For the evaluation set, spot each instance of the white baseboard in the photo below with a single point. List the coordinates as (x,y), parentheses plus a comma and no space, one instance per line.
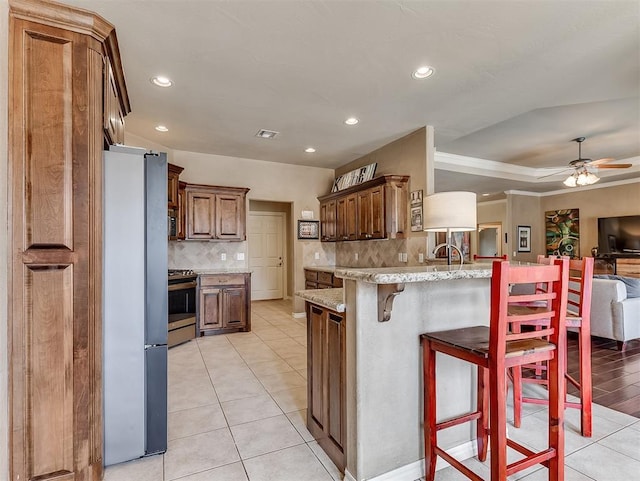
(299,315)
(415,470)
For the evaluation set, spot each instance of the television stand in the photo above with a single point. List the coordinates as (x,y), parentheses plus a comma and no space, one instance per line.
(628,266)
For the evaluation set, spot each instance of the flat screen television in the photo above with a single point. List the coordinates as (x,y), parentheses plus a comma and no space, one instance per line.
(619,235)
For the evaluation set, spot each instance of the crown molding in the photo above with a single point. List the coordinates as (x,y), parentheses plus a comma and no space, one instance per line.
(503,170)
(573,190)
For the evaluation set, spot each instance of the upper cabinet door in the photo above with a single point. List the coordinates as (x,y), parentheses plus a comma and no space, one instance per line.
(113,115)
(230,223)
(200,215)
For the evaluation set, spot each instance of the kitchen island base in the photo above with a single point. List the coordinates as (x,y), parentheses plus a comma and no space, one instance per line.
(384,411)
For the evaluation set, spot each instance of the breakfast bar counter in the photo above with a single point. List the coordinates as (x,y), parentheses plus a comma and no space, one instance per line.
(386,311)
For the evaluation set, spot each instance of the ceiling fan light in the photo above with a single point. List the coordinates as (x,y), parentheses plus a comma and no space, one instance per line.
(570,181)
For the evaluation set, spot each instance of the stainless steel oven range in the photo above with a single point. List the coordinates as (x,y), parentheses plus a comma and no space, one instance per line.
(182,306)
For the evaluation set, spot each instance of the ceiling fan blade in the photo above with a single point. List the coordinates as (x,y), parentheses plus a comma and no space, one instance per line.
(614,166)
(593,163)
(556,173)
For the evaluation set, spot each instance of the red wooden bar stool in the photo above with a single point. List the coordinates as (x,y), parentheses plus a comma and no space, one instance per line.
(578,317)
(493,350)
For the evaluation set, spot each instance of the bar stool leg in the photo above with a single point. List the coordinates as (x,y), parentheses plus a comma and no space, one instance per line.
(429,400)
(516,376)
(557,390)
(482,424)
(584,349)
(498,421)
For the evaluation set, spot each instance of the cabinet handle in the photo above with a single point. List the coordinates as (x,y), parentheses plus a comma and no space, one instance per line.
(334,318)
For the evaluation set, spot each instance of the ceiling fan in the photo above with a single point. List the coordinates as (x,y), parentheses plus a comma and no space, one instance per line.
(581,175)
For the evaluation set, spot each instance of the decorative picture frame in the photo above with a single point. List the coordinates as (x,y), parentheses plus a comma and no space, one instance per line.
(524,238)
(563,232)
(416,210)
(309,229)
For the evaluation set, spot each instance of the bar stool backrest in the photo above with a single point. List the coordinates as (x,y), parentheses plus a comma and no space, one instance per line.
(551,300)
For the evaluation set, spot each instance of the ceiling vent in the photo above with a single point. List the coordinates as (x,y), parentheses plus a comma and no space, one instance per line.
(266,134)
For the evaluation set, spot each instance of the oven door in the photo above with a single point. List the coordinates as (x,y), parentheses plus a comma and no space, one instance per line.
(182,311)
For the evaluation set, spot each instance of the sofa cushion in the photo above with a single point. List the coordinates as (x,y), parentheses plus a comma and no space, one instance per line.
(632,284)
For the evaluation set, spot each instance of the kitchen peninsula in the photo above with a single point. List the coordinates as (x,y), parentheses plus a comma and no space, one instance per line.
(386,310)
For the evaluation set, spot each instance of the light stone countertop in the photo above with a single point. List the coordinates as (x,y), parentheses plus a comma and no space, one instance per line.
(397,275)
(321,268)
(330,298)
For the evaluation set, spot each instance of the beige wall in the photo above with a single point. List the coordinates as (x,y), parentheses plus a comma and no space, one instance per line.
(268,181)
(524,210)
(594,203)
(4,255)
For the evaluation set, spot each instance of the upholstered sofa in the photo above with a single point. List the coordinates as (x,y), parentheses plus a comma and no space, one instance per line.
(615,312)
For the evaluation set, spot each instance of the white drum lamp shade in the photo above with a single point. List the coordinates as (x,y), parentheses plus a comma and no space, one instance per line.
(450,211)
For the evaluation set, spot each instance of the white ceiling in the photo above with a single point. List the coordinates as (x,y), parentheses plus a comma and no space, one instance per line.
(515,80)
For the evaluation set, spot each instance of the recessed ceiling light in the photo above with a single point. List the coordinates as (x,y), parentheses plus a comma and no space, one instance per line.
(351,121)
(486,195)
(309,150)
(161,128)
(161,81)
(423,72)
(266,134)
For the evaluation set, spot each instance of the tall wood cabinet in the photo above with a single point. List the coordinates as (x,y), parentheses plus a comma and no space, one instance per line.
(376,209)
(59,58)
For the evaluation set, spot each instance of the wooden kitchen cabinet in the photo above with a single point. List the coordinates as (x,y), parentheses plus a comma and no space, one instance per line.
(223,303)
(326,371)
(181,211)
(371,215)
(215,213)
(319,279)
(376,209)
(65,83)
(328,220)
(346,218)
(173,181)
(113,107)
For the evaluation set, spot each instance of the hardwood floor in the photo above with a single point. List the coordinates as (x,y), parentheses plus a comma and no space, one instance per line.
(615,374)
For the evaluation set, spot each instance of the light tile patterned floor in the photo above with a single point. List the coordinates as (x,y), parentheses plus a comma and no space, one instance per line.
(237,408)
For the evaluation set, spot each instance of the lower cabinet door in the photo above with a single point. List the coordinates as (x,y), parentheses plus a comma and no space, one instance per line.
(316,355)
(234,301)
(210,312)
(335,366)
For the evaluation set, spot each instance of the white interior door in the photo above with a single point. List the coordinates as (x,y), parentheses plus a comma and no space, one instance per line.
(266,255)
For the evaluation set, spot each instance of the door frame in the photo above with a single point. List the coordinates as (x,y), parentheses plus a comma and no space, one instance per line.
(492,225)
(283,233)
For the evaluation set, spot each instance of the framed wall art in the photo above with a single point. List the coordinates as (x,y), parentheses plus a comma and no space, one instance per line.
(563,232)
(524,238)
(309,229)
(416,211)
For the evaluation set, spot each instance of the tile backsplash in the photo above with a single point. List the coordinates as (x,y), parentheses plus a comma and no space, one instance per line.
(382,253)
(207,255)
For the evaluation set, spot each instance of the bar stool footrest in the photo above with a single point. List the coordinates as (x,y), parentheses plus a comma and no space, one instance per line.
(465,418)
(457,464)
(532,458)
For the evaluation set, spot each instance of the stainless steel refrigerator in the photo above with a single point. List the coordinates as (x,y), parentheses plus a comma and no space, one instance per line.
(135,315)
